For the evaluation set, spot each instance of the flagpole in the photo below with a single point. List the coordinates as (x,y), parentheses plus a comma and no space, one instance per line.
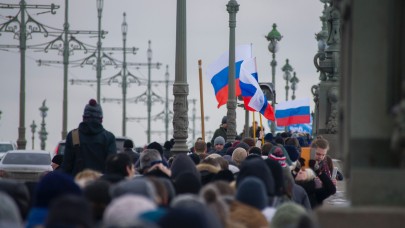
(261,128)
(254,126)
(201,99)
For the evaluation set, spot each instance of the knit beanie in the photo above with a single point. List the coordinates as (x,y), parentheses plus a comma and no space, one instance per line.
(58,159)
(249,185)
(93,110)
(52,186)
(224,120)
(268,137)
(156,146)
(219,140)
(278,155)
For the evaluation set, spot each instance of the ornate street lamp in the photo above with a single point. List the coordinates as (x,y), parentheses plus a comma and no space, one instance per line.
(98,67)
(274,36)
(287,69)
(42,133)
(33,127)
(294,81)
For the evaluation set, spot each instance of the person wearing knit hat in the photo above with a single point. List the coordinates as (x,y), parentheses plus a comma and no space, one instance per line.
(219,144)
(278,155)
(221,131)
(90,144)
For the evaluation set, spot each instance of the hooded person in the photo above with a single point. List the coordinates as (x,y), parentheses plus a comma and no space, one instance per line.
(256,166)
(9,213)
(90,144)
(50,187)
(19,192)
(185,176)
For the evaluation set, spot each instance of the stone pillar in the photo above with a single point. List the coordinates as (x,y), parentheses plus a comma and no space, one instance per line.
(327,61)
(372,115)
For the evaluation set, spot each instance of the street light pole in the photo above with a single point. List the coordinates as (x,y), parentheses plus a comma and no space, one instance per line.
(98,67)
(42,133)
(180,86)
(33,127)
(287,68)
(149,101)
(232,8)
(124,29)
(167,104)
(65,71)
(274,36)
(294,81)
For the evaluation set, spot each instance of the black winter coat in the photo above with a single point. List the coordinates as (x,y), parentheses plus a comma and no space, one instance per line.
(96,144)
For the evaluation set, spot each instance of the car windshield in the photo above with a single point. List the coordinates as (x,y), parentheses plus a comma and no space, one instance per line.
(5,147)
(27,159)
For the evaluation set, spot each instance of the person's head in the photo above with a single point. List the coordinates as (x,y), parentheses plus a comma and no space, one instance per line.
(219,143)
(93,112)
(321,147)
(224,122)
(149,158)
(266,148)
(200,147)
(128,143)
(57,161)
(305,174)
(120,164)
(83,178)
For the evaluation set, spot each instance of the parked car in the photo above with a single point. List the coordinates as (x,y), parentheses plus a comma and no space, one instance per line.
(60,148)
(119,141)
(6,146)
(26,165)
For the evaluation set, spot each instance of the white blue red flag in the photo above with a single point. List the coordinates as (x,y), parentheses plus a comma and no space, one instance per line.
(217,72)
(252,95)
(293,112)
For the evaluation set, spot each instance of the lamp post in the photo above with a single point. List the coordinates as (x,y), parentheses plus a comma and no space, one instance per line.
(287,77)
(42,133)
(180,86)
(274,36)
(232,7)
(149,101)
(98,67)
(294,81)
(33,127)
(22,32)
(287,68)
(124,29)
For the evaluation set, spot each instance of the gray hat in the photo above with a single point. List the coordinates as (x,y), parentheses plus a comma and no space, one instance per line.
(93,110)
(219,140)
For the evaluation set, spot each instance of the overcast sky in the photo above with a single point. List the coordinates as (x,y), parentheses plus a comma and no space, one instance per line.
(155,20)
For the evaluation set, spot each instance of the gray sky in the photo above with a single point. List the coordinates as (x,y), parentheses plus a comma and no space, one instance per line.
(155,20)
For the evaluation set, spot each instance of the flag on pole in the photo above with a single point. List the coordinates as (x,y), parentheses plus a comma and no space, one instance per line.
(293,112)
(217,72)
(252,95)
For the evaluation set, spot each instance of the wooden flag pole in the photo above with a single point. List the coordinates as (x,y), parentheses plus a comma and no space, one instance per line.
(201,100)
(254,126)
(261,128)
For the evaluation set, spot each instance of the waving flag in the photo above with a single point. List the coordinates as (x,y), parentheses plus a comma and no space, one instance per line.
(293,112)
(217,72)
(253,96)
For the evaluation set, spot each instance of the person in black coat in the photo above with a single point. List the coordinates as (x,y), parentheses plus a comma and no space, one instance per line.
(317,185)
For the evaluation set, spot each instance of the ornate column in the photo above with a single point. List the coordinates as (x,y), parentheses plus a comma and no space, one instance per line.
(180,86)
(327,61)
(232,7)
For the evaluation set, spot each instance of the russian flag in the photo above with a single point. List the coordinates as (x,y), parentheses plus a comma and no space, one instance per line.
(293,112)
(217,72)
(252,95)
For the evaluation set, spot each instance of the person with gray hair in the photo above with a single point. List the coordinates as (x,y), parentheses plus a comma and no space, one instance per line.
(150,160)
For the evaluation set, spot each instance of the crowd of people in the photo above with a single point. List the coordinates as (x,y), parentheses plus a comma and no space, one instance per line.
(251,182)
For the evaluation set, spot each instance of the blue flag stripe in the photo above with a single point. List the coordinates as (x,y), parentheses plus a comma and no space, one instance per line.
(299,111)
(220,80)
